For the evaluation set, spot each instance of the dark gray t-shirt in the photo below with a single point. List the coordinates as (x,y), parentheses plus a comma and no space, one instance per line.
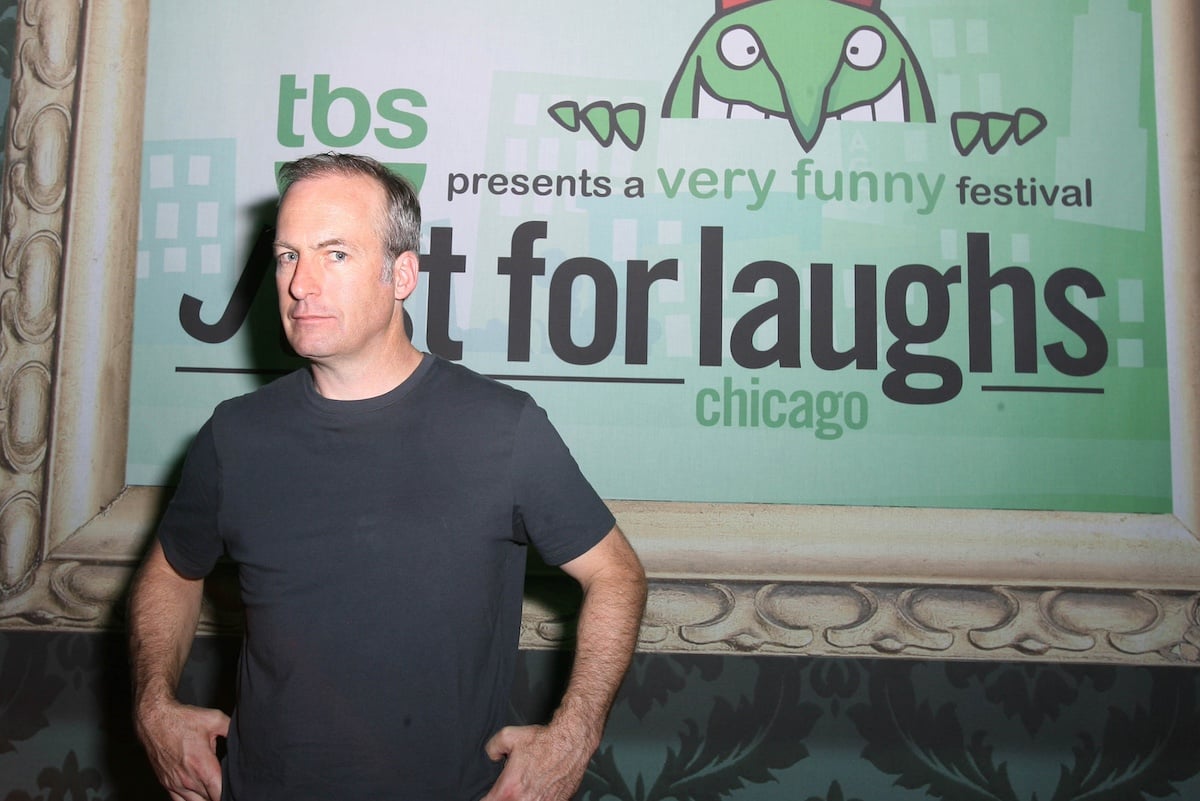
(380,550)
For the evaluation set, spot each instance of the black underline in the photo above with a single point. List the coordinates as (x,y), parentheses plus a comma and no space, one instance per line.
(585,379)
(1062,390)
(235,370)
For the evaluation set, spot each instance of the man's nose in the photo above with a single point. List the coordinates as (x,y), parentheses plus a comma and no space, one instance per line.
(305,280)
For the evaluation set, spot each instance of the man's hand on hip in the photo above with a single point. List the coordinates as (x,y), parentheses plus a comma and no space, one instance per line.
(542,763)
(181,742)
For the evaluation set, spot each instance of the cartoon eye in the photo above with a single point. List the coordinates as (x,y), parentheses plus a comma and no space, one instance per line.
(739,47)
(864,48)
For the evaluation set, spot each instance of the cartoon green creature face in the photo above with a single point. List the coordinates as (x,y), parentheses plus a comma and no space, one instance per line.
(803,60)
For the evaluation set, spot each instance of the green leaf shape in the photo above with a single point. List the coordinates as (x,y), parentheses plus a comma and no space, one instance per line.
(1030,123)
(742,742)
(565,114)
(967,130)
(630,121)
(926,748)
(1140,754)
(997,129)
(598,119)
(603,779)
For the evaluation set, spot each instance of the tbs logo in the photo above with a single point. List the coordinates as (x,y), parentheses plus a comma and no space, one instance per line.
(392,118)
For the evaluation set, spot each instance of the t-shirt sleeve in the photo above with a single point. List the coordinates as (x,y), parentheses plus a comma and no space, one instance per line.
(188,531)
(560,511)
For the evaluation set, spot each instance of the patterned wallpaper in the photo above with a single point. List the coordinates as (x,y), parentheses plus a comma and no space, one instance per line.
(701,728)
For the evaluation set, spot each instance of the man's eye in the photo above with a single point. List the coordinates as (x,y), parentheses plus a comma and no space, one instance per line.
(285,258)
(338,255)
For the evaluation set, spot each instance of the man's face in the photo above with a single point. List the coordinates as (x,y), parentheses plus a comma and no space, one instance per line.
(329,262)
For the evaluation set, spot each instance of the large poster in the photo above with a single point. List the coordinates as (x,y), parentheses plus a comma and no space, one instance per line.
(864,252)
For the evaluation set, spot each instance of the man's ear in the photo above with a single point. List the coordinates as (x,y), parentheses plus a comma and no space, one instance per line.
(405,270)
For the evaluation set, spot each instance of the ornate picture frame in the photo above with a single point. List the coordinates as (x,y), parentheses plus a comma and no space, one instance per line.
(725,578)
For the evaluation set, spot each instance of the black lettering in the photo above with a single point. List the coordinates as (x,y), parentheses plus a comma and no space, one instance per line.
(261,255)
(440,264)
(1095,344)
(864,353)
(980,283)
(604,331)
(638,279)
(784,309)
(521,267)
(905,363)
(712,294)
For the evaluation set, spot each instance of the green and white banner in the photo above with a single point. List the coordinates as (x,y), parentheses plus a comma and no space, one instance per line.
(865,252)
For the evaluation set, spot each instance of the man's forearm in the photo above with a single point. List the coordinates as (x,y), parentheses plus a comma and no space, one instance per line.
(164,609)
(609,620)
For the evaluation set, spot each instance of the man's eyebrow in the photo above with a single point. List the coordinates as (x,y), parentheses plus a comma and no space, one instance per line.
(335,242)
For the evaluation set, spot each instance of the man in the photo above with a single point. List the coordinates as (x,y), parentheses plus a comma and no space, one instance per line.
(377,505)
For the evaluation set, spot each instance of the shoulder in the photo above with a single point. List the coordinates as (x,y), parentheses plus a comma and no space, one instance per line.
(266,401)
(453,383)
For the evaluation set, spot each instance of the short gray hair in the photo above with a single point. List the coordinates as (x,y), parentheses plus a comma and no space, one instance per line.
(402,221)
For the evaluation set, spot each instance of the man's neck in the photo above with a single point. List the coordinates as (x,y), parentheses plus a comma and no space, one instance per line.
(361,380)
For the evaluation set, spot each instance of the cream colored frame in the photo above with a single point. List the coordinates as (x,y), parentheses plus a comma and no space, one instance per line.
(724,578)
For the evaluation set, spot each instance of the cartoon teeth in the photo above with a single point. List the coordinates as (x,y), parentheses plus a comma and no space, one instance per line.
(603,121)
(994,128)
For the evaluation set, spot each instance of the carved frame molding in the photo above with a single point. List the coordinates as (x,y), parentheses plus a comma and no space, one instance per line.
(724,578)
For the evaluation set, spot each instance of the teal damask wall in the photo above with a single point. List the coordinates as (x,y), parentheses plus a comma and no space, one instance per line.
(701,728)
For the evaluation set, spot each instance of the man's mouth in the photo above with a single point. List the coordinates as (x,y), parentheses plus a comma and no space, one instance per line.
(308,316)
